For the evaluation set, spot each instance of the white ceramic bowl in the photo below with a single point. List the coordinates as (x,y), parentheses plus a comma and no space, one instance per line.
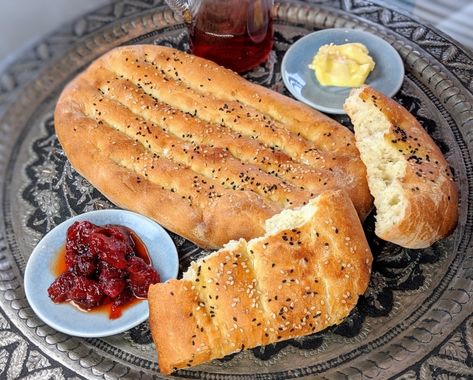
(300,80)
(65,317)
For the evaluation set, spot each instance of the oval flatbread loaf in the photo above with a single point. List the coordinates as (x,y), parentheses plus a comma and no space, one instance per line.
(414,193)
(199,149)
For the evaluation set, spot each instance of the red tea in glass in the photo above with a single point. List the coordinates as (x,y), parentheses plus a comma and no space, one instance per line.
(237,34)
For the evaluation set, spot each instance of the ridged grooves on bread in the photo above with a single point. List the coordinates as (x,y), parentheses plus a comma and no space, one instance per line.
(385,165)
(243,259)
(170,103)
(287,172)
(234,175)
(239,255)
(238,117)
(244,93)
(289,220)
(303,275)
(286,220)
(213,144)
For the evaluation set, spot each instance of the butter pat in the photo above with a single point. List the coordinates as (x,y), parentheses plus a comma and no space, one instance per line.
(345,65)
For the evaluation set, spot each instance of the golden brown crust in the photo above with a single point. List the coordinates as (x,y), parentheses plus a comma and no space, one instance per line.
(213,147)
(431,194)
(226,282)
(184,318)
(294,281)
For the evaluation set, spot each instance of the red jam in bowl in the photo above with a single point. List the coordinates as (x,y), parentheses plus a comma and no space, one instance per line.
(102,267)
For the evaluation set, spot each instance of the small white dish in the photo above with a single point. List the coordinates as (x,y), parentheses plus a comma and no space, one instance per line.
(300,80)
(65,317)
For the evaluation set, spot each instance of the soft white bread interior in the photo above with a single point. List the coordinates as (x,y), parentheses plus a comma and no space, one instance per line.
(414,193)
(303,275)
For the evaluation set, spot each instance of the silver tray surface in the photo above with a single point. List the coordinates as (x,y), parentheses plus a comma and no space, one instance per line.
(416,319)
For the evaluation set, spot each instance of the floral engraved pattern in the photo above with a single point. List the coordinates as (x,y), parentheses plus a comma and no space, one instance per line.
(21,360)
(453,359)
(56,191)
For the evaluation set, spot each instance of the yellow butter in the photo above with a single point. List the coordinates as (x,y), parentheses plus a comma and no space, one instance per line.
(345,65)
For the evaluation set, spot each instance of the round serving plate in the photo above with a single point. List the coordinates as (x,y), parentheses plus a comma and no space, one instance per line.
(415,320)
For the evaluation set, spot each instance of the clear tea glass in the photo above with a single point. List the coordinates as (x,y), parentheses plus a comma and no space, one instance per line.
(237,34)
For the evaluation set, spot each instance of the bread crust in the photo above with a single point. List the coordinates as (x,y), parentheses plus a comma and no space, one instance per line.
(199,149)
(294,281)
(428,187)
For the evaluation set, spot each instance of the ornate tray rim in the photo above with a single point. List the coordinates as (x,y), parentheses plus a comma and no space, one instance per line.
(446,87)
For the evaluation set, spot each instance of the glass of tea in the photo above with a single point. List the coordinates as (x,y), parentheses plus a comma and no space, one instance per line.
(237,34)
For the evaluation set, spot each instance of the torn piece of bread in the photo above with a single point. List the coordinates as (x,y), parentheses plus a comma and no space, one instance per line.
(199,149)
(305,274)
(414,193)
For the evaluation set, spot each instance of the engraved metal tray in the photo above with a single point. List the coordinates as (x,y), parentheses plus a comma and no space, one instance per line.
(415,320)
